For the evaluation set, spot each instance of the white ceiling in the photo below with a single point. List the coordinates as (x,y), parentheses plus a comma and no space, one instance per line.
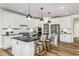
(55,8)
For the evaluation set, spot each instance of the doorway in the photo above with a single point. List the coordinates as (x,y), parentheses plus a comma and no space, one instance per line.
(76,31)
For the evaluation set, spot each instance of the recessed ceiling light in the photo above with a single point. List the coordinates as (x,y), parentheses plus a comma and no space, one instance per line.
(20,10)
(62,7)
(66,13)
(34,15)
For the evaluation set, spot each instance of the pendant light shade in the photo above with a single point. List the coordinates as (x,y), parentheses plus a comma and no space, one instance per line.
(29,16)
(49,16)
(49,21)
(41,19)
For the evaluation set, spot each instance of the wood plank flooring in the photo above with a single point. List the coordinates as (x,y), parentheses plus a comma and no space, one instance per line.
(5,52)
(63,49)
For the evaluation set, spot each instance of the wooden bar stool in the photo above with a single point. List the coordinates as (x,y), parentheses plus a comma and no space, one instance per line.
(54,40)
(41,46)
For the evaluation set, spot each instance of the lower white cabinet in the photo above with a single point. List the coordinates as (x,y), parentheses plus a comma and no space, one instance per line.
(15,47)
(66,38)
(1,41)
(7,43)
(21,48)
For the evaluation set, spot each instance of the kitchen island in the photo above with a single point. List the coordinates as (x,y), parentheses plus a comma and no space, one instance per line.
(23,46)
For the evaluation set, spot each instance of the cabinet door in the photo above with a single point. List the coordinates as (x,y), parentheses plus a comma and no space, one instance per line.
(68,22)
(69,38)
(1,41)
(15,48)
(6,19)
(18,20)
(62,39)
(7,42)
(22,48)
(26,48)
(66,38)
(31,49)
(14,20)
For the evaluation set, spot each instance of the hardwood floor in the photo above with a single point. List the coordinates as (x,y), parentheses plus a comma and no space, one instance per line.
(5,52)
(63,49)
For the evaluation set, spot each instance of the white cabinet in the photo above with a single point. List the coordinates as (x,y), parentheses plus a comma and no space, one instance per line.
(1,41)
(33,23)
(17,20)
(15,47)
(66,38)
(0,19)
(65,22)
(26,48)
(68,22)
(7,42)
(6,19)
(21,48)
(12,19)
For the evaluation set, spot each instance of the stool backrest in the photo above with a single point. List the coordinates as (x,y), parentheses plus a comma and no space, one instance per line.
(43,38)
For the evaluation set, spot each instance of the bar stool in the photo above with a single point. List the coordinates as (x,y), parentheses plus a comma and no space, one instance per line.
(48,42)
(41,46)
(54,40)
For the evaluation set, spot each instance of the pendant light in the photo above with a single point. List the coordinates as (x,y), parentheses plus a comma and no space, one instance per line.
(49,18)
(41,19)
(28,16)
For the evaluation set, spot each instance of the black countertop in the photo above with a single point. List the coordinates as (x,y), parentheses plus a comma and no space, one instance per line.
(10,34)
(25,38)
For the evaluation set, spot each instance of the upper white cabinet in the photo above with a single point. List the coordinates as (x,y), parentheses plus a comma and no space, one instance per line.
(32,23)
(68,21)
(12,19)
(17,20)
(6,21)
(65,26)
(65,22)
(0,18)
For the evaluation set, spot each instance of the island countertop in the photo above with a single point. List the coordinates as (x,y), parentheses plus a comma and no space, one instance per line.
(25,38)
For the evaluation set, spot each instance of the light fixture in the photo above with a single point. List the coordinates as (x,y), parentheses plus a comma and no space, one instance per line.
(49,18)
(62,7)
(9,28)
(29,16)
(20,10)
(41,19)
(66,13)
